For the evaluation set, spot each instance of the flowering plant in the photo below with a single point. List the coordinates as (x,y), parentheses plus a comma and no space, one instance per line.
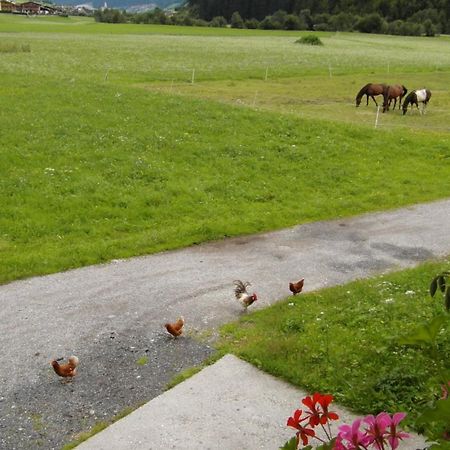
(371,432)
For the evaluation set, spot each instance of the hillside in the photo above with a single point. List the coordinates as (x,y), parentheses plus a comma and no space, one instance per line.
(125,4)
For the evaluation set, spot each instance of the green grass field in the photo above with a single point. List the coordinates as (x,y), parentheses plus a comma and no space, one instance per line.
(345,340)
(108,150)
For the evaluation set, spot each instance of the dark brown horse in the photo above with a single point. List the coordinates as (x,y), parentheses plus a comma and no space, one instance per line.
(370,90)
(415,97)
(393,92)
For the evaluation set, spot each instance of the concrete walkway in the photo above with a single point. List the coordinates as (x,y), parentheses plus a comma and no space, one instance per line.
(230,405)
(111,315)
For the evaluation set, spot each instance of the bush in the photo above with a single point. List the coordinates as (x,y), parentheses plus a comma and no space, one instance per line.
(429,28)
(236,20)
(252,24)
(411,29)
(372,23)
(321,27)
(293,22)
(218,22)
(342,22)
(310,39)
(267,23)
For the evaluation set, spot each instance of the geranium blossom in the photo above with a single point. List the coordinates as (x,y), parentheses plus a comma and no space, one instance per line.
(303,432)
(354,437)
(393,434)
(377,429)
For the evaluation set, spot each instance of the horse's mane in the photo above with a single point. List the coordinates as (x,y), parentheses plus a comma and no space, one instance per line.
(411,97)
(363,91)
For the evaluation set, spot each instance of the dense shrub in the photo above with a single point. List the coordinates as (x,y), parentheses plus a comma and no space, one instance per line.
(310,39)
(429,28)
(236,20)
(218,22)
(294,22)
(252,24)
(342,22)
(372,23)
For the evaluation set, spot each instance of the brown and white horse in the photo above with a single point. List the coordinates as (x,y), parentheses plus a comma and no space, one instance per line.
(415,97)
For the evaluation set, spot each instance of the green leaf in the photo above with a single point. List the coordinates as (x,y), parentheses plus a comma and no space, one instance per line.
(447,298)
(425,333)
(441,283)
(328,446)
(290,445)
(433,286)
(440,412)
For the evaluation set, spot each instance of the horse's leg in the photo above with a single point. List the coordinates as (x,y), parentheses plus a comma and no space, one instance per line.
(367,99)
(373,98)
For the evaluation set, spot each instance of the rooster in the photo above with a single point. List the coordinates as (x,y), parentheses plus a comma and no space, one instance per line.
(296,288)
(68,370)
(175,329)
(242,295)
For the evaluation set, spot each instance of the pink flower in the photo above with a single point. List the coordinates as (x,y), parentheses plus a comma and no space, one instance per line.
(392,433)
(354,437)
(377,429)
(338,445)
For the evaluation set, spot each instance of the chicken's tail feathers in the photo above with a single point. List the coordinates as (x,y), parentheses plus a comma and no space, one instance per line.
(74,360)
(240,287)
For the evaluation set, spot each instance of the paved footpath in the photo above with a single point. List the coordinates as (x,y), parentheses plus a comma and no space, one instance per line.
(230,405)
(111,315)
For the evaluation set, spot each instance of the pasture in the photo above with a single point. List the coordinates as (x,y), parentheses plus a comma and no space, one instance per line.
(109,150)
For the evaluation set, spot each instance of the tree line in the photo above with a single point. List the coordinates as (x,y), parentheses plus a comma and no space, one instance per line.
(335,15)
(400,17)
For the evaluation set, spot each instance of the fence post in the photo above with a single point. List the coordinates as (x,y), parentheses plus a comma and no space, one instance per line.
(376,118)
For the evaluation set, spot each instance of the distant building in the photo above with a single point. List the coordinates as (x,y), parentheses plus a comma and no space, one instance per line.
(6,6)
(85,9)
(34,8)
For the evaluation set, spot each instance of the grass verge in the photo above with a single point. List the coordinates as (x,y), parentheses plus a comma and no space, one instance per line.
(344,340)
(122,180)
(98,427)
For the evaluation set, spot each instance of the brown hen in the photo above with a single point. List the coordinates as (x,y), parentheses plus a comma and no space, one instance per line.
(68,370)
(175,329)
(296,288)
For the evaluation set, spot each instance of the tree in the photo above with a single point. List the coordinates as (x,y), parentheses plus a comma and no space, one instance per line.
(372,23)
(218,22)
(429,28)
(236,20)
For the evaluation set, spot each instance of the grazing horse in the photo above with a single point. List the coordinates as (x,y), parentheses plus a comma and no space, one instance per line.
(393,92)
(414,97)
(370,90)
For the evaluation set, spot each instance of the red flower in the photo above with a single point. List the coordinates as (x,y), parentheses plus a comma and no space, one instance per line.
(303,432)
(325,401)
(316,415)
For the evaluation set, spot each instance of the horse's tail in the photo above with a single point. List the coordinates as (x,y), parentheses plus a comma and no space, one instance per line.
(404,91)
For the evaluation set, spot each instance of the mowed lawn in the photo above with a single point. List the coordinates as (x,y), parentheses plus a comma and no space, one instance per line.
(109,151)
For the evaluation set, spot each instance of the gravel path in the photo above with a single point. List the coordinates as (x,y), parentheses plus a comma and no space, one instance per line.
(111,315)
